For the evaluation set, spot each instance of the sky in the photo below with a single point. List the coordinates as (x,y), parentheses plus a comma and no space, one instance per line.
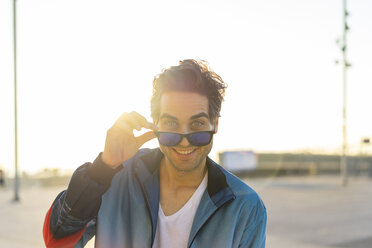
(81,64)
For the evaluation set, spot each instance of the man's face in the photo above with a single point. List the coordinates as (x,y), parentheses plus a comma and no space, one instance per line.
(185,112)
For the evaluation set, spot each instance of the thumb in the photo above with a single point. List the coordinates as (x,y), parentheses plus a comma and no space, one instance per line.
(142,139)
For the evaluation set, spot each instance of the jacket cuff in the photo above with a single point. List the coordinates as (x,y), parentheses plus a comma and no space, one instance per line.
(100,172)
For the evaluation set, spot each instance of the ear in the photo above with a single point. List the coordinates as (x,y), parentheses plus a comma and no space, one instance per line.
(216,125)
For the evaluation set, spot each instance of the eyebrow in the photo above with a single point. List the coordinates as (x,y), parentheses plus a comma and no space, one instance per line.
(168,116)
(202,114)
(163,116)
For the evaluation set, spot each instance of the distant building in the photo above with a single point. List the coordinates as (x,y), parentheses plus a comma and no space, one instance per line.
(238,161)
(265,164)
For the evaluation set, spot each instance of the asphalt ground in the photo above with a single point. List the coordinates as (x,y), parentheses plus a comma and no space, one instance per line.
(317,212)
(305,212)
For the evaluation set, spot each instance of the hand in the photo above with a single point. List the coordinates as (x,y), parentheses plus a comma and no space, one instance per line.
(121,144)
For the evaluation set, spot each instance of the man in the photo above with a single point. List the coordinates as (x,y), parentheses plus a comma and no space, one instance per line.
(2,183)
(173,196)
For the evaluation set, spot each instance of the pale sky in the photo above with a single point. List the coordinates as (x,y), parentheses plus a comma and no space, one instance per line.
(83,63)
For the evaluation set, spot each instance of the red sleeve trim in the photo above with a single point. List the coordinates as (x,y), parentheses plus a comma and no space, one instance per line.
(66,242)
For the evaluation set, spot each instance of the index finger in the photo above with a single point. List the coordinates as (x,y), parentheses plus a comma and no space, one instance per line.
(145,137)
(142,120)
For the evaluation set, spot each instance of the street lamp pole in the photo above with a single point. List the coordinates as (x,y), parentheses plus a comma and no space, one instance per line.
(16,179)
(345,65)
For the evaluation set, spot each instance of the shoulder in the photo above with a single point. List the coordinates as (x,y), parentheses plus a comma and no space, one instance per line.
(246,196)
(135,170)
(143,163)
(144,155)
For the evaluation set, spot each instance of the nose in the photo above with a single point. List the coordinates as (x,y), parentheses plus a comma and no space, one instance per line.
(184,142)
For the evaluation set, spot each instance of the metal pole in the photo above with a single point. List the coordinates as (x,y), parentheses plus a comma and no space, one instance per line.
(344,165)
(16,180)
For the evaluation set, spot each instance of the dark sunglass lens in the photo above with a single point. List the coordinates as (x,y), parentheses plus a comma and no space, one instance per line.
(169,139)
(200,139)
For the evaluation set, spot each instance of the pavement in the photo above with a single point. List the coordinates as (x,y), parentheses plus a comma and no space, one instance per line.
(317,212)
(305,212)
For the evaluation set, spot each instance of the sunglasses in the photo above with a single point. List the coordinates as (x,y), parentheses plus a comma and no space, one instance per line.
(196,139)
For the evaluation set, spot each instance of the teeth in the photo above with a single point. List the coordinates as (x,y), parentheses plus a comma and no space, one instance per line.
(185,152)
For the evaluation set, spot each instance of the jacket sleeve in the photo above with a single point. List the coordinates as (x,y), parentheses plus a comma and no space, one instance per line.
(74,210)
(254,235)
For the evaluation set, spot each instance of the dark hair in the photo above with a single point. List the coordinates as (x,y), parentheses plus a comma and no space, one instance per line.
(189,75)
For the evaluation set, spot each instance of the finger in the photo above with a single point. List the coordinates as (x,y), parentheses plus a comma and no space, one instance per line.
(133,122)
(122,123)
(142,139)
(142,120)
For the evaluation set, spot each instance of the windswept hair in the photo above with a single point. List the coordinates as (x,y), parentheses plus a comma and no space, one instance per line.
(192,76)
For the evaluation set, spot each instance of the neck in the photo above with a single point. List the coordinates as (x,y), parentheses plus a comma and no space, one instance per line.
(179,179)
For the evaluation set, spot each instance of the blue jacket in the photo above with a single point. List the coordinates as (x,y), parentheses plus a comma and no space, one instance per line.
(230,213)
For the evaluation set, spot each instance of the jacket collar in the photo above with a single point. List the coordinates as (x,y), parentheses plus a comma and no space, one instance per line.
(147,172)
(217,187)
(219,193)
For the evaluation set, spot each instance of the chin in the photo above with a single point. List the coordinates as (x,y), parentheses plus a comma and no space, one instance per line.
(183,167)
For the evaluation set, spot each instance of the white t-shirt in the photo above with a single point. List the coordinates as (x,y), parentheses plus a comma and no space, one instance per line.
(174,230)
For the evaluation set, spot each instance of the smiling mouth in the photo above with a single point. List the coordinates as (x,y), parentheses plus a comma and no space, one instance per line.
(184,152)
